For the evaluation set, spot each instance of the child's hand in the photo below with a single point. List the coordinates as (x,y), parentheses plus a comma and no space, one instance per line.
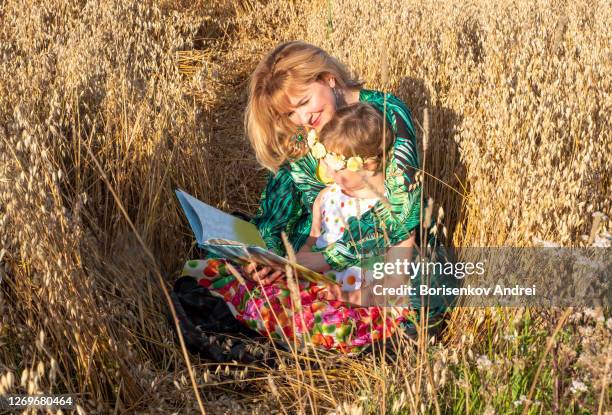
(334,292)
(331,292)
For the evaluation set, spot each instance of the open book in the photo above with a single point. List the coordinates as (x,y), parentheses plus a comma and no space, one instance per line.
(239,241)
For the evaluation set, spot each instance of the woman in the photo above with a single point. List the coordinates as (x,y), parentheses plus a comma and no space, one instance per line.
(300,85)
(296,87)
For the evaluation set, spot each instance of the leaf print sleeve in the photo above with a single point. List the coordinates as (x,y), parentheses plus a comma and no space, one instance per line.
(279,205)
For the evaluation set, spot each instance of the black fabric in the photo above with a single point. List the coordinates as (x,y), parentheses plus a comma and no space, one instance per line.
(210,330)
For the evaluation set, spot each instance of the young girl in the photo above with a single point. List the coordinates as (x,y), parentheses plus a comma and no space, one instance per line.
(350,150)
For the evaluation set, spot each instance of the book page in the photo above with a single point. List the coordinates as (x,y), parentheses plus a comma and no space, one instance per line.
(209,223)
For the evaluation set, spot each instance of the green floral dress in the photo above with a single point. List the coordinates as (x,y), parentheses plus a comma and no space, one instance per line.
(286,202)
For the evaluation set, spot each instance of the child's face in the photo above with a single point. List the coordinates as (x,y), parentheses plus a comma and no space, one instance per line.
(348,180)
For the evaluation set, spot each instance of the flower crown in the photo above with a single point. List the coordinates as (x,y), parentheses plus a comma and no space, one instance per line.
(333,160)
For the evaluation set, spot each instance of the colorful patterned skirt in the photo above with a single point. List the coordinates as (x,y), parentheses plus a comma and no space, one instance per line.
(269,310)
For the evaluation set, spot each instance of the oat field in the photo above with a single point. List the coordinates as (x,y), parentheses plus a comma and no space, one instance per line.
(107,106)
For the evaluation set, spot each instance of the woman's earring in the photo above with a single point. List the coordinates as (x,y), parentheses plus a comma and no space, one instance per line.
(336,96)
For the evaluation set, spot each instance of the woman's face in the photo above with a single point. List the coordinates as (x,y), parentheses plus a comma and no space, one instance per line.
(315,106)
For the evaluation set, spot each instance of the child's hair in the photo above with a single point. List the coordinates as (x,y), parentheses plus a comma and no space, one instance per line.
(358,130)
(287,69)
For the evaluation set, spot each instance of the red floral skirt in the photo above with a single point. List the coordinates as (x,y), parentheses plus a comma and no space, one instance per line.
(269,310)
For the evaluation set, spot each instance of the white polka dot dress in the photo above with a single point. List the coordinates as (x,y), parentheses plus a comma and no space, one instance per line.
(336,209)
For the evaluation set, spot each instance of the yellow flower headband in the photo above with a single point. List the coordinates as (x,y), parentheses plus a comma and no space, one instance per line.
(333,160)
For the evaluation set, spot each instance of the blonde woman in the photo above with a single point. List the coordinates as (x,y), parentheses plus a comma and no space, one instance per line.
(294,92)
(299,86)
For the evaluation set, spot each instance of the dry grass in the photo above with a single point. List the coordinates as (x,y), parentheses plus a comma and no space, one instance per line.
(519,101)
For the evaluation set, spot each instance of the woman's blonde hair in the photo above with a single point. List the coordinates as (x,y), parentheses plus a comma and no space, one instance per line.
(286,70)
(358,130)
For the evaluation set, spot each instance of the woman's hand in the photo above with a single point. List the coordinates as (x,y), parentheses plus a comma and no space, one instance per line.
(312,260)
(264,275)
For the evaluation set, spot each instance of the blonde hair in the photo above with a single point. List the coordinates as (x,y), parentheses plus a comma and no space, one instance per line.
(286,70)
(358,130)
